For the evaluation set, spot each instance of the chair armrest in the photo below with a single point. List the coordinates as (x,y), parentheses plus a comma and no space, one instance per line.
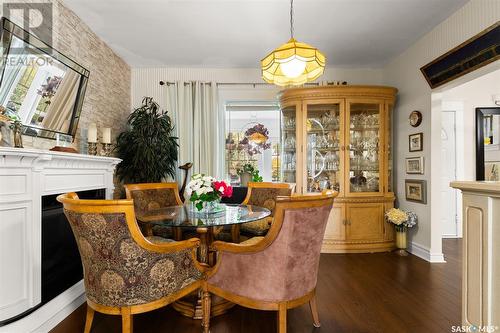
(169,247)
(241,248)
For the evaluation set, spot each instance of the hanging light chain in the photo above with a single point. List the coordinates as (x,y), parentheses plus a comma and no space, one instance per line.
(291,18)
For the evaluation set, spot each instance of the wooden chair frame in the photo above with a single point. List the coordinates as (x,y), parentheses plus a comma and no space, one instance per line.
(282,204)
(129,188)
(73,203)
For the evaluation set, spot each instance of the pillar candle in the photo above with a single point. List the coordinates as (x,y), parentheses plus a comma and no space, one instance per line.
(106,135)
(92,133)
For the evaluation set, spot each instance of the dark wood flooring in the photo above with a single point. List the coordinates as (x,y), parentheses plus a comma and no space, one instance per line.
(356,293)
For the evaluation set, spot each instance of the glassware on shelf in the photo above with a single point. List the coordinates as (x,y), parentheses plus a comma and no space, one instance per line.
(364,133)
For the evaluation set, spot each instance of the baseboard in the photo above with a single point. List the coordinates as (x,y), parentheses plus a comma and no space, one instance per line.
(424,253)
(48,316)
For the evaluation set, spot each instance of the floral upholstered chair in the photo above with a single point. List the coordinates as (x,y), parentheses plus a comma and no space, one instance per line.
(276,272)
(124,272)
(151,196)
(263,194)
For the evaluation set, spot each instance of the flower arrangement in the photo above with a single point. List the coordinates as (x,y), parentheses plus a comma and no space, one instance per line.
(48,90)
(205,189)
(401,219)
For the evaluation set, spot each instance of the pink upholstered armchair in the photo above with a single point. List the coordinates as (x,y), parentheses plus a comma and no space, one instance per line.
(279,271)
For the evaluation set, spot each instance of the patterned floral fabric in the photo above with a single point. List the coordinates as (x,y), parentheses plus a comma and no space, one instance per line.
(117,271)
(146,200)
(264,197)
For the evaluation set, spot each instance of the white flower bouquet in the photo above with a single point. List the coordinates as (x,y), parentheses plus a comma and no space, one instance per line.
(205,189)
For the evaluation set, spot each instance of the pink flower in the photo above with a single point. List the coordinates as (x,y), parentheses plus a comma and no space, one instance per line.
(225,190)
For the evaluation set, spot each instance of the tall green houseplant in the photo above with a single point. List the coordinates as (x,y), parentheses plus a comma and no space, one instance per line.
(147,148)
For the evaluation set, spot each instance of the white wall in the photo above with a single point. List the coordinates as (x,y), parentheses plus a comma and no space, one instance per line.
(145,81)
(404,73)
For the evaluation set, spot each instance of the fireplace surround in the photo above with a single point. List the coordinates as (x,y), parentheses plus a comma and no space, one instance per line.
(30,178)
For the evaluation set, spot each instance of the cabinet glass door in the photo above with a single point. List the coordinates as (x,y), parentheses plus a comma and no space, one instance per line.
(289,143)
(323,142)
(363,128)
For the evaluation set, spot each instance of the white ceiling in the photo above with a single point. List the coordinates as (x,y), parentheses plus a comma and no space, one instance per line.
(238,33)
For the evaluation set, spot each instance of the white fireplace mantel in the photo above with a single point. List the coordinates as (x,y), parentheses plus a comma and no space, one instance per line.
(25,176)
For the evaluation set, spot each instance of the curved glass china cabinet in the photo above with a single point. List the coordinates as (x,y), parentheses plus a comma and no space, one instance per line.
(339,137)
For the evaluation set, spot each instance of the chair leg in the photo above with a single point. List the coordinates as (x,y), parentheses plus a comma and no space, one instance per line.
(282,318)
(205,322)
(127,321)
(314,311)
(89,319)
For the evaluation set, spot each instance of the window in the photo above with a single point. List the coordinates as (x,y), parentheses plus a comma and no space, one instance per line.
(253,137)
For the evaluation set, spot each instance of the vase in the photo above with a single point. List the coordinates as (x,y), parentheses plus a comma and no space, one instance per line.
(245,177)
(401,241)
(209,207)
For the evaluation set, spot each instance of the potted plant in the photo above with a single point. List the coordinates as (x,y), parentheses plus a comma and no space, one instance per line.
(248,173)
(205,193)
(147,148)
(402,220)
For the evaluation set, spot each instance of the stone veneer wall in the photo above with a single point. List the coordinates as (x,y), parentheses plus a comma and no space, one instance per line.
(107,100)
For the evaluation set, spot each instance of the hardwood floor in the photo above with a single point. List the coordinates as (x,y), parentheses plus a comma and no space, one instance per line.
(356,293)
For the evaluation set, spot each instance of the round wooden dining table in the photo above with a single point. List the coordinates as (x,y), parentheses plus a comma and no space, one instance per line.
(204,225)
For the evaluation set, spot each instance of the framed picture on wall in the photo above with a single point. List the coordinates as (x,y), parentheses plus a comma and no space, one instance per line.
(415,165)
(416,142)
(416,190)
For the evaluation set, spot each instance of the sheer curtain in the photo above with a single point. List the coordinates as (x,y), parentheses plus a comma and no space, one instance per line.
(61,106)
(199,124)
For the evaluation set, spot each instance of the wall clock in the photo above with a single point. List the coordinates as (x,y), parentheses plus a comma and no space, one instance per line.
(415,118)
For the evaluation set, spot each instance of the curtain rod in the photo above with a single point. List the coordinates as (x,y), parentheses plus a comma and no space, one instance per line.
(233,83)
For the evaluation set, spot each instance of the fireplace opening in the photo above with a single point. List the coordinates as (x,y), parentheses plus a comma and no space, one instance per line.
(61,264)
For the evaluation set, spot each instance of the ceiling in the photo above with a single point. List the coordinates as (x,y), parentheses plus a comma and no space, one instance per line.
(238,33)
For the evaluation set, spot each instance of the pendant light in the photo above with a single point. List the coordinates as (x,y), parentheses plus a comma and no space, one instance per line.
(293,63)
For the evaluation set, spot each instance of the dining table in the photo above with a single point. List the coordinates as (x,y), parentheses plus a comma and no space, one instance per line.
(204,225)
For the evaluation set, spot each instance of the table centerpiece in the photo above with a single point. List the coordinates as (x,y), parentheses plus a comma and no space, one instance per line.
(205,193)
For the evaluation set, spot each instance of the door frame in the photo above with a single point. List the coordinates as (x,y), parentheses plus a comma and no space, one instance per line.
(458,233)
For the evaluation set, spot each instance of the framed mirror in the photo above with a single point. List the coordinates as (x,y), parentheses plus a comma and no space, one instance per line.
(488,143)
(39,86)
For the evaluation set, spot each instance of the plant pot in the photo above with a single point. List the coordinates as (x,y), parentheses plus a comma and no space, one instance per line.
(401,241)
(245,177)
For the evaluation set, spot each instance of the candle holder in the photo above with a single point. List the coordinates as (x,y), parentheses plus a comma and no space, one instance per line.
(92,148)
(106,149)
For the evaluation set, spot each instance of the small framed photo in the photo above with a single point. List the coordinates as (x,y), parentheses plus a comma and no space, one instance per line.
(416,142)
(415,165)
(416,190)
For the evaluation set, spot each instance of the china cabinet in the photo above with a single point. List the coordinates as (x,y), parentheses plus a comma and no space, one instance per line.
(339,137)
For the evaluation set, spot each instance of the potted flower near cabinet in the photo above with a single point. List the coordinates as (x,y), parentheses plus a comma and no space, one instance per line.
(402,220)
(248,174)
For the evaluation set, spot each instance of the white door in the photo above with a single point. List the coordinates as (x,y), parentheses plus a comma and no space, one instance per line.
(448,174)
